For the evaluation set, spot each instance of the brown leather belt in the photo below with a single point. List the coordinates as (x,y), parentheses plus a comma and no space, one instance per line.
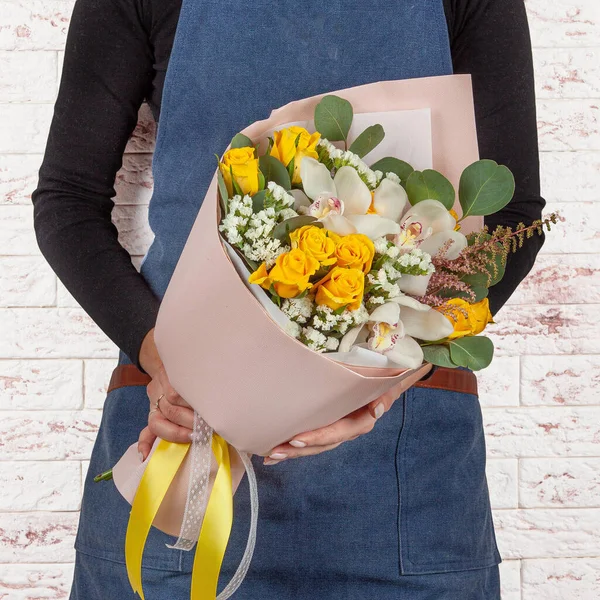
(442,378)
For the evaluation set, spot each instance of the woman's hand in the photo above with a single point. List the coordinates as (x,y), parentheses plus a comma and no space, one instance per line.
(348,428)
(174,419)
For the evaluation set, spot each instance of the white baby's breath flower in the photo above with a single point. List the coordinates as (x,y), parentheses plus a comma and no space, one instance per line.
(381,245)
(393,177)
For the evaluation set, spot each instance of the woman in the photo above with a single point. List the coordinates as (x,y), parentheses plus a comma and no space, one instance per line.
(401,511)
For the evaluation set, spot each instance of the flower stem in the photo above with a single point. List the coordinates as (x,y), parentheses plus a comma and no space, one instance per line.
(106,476)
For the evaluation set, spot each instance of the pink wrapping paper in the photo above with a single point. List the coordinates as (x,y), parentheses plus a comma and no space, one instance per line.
(251,382)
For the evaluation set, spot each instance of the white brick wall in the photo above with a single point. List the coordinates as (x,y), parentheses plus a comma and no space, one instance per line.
(541,397)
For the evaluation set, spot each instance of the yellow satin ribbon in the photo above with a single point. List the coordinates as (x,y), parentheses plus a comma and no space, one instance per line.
(216,527)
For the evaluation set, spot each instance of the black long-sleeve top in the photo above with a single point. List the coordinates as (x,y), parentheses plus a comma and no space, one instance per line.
(116,57)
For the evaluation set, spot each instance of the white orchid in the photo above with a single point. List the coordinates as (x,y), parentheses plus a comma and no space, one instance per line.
(345,205)
(429,227)
(392,328)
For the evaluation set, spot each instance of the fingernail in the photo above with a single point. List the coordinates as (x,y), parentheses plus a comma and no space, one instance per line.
(192,436)
(278,455)
(269,461)
(298,443)
(141,456)
(379,410)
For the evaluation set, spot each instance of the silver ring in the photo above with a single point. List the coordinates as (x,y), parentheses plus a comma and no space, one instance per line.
(156,404)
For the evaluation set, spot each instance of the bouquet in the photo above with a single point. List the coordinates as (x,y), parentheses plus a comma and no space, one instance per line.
(322,271)
(367,263)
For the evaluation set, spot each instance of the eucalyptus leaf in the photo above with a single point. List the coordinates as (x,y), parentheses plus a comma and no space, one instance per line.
(485,188)
(389,164)
(368,140)
(333,118)
(430,185)
(438,354)
(258,201)
(273,170)
(282,230)
(241,141)
(474,353)
(223,193)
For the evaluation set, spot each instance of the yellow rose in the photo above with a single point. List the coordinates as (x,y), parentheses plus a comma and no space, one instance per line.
(471,319)
(244,164)
(290,275)
(355,251)
(316,242)
(341,287)
(284,149)
(260,277)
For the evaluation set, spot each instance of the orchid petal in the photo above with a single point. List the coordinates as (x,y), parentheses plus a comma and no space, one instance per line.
(414,284)
(300,199)
(360,356)
(410,302)
(428,325)
(386,313)
(338,224)
(352,191)
(390,200)
(349,339)
(406,353)
(374,226)
(316,178)
(431,213)
(434,243)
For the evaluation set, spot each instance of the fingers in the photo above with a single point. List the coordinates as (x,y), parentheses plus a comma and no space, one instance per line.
(145,442)
(172,396)
(348,428)
(165,429)
(381,405)
(310,451)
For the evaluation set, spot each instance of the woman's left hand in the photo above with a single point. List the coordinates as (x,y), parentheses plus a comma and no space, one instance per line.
(348,428)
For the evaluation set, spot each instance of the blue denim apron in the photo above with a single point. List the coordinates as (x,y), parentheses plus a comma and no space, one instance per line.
(402,512)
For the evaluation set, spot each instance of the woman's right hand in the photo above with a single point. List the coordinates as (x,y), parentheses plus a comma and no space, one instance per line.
(173,421)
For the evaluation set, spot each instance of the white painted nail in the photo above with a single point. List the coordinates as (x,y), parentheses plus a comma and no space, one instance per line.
(141,456)
(298,444)
(379,410)
(278,455)
(268,461)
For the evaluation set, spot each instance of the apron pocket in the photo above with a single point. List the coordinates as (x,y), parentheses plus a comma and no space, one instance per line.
(445,515)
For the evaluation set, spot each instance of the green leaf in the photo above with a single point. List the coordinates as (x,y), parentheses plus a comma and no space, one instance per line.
(241,141)
(223,193)
(474,353)
(261,181)
(340,310)
(439,355)
(258,201)
(430,185)
(282,230)
(273,170)
(369,139)
(389,164)
(291,167)
(485,188)
(275,296)
(333,118)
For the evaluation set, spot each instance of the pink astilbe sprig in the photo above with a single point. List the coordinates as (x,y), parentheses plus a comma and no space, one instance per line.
(484,255)
(445,281)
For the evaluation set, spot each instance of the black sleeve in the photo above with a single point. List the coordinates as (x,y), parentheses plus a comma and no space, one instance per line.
(490,40)
(107,73)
